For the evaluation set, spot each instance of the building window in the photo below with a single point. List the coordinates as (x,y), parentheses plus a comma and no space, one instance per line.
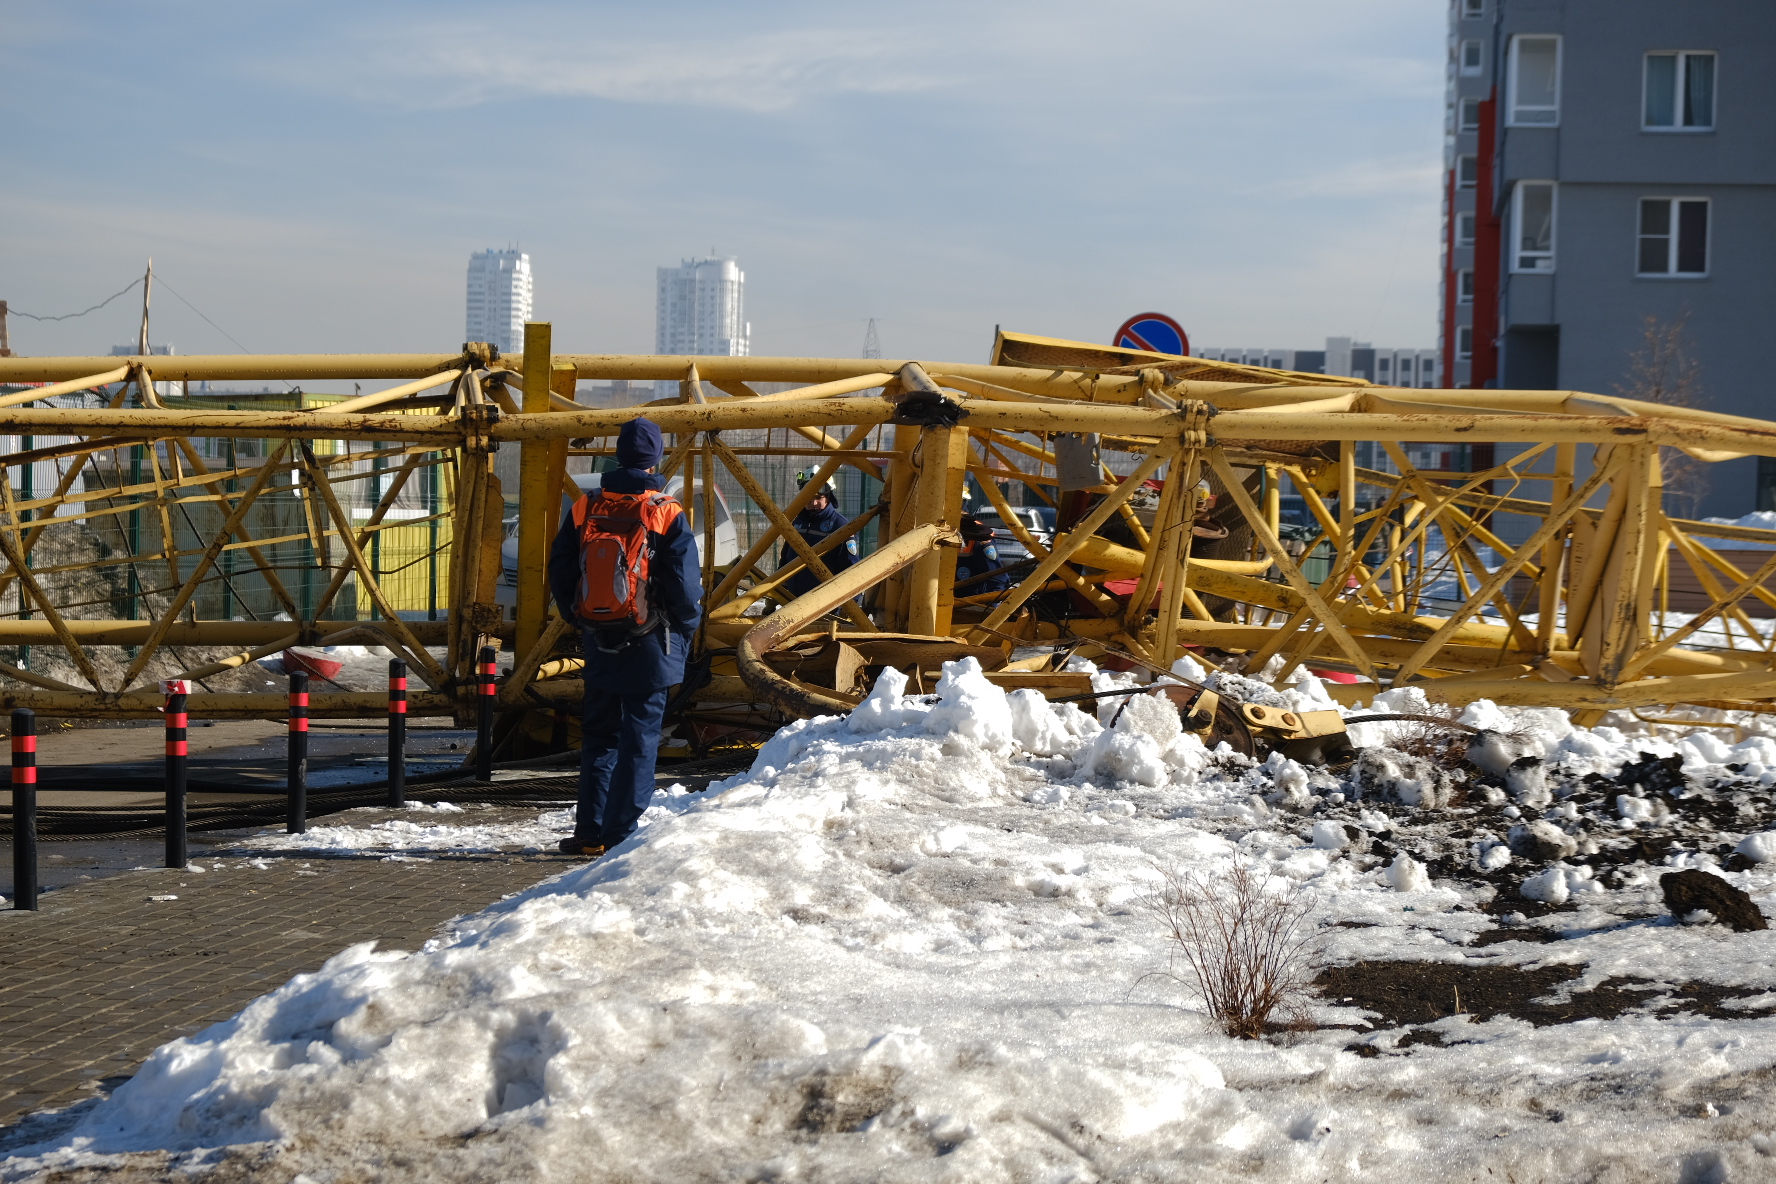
(1467,171)
(1464,286)
(1470,115)
(1464,230)
(1464,342)
(1535,81)
(1473,9)
(1679,92)
(1532,225)
(1470,57)
(1673,236)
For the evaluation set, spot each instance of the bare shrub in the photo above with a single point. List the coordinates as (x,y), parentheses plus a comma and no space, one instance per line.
(1246,949)
(1665,369)
(1428,738)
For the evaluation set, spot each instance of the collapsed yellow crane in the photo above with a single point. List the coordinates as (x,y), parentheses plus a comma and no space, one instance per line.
(1413,582)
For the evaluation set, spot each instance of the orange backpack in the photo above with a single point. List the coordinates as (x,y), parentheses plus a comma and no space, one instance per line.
(615,555)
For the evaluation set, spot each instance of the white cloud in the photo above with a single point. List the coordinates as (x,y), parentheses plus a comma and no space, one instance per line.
(1407,178)
(461,64)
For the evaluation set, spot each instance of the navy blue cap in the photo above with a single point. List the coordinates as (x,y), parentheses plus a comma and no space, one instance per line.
(639,445)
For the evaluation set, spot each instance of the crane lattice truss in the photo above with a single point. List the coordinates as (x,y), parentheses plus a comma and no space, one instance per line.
(1406,580)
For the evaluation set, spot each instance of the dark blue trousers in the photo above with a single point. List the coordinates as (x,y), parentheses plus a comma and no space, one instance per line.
(619,738)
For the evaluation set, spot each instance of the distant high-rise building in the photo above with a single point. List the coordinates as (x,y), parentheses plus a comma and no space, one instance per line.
(701,309)
(499,299)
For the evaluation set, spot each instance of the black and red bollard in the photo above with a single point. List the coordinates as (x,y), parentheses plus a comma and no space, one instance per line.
(24,809)
(397,776)
(296,776)
(178,748)
(486,672)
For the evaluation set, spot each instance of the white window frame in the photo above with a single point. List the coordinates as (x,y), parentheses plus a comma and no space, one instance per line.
(1553,228)
(1462,107)
(1464,285)
(1461,57)
(1678,86)
(1463,163)
(1512,107)
(1467,240)
(1473,10)
(1671,246)
(1464,343)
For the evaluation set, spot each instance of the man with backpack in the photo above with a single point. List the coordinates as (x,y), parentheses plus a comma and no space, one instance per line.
(624,567)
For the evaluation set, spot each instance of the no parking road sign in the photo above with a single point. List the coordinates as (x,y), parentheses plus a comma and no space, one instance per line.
(1154,332)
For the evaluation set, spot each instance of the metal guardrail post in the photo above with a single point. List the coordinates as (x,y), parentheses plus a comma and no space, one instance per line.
(397,737)
(24,809)
(177,751)
(296,776)
(484,714)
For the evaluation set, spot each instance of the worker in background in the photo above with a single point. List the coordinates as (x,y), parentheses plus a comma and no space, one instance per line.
(977,557)
(624,568)
(819,518)
(1204,529)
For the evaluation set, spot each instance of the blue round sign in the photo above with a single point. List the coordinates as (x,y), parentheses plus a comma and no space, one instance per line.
(1154,332)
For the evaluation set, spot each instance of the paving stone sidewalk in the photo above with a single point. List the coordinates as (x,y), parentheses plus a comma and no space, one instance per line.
(104,973)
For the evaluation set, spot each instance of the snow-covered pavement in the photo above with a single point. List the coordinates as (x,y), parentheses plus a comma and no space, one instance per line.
(911,944)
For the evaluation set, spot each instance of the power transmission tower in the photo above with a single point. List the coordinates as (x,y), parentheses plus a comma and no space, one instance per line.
(147,291)
(872,345)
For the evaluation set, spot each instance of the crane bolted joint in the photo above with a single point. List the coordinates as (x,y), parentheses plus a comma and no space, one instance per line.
(1196,423)
(478,420)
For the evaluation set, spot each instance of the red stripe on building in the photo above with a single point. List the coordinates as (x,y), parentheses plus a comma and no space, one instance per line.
(1483,368)
(1451,281)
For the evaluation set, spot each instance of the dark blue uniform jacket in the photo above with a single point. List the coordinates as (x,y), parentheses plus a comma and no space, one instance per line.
(656,660)
(977,557)
(814,526)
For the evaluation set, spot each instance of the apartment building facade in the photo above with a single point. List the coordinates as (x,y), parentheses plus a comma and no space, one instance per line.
(1387,365)
(1610,171)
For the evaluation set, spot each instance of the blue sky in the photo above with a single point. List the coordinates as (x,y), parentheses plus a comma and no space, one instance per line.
(313,176)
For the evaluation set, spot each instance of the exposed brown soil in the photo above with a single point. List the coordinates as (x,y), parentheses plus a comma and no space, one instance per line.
(1407,993)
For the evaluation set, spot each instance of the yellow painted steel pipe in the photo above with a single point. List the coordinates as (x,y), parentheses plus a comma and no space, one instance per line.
(795,616)
(1502,429)
(535,497)
(697,417)
(301,425)
(65,388)
(213,367)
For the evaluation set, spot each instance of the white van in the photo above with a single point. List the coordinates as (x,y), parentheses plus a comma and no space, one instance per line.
(727,538)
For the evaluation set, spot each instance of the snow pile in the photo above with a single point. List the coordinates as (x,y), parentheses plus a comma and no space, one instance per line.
(1757,520)
(540,832)
(545,830)
(909,944)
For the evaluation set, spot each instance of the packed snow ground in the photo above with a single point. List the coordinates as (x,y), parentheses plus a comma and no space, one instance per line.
(910,945)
